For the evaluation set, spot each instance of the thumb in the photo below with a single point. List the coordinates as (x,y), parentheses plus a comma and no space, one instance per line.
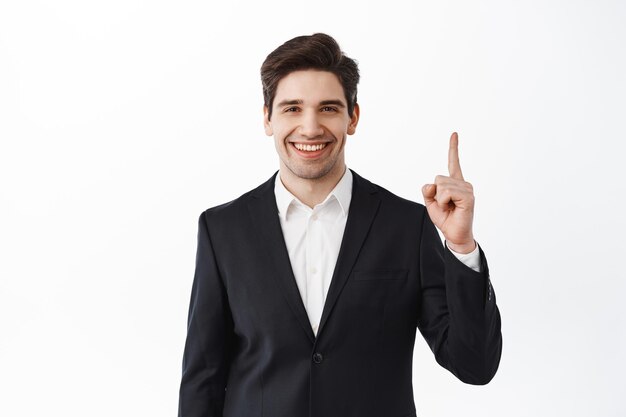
(429,191)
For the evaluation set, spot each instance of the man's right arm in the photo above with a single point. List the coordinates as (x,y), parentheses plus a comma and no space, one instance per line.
(209,336)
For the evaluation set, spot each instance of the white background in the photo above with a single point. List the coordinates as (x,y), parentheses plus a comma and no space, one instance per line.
(120,121)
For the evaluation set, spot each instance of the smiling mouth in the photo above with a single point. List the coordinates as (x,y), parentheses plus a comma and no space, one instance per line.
(309,151)
(308,148)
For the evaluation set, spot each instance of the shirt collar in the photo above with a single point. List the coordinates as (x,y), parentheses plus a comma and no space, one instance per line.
(342,192)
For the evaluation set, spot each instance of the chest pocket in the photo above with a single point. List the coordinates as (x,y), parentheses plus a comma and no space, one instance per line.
(382,274)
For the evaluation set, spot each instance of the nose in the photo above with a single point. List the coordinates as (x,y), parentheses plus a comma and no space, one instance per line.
(310,126)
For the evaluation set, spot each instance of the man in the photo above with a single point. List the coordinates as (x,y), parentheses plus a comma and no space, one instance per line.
(308,289)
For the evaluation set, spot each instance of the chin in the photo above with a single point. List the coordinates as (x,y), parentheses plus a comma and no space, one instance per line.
(313,174)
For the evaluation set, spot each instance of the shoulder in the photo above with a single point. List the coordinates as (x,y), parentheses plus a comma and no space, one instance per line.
(391,200)
(235,208)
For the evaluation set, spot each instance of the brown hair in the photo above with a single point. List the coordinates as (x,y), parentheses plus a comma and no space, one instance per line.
(318,51)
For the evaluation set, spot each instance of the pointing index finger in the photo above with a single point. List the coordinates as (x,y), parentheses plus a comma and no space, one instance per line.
(454,168)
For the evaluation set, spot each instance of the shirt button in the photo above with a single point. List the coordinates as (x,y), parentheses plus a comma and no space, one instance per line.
(313,270)
(317,357)
(314,217)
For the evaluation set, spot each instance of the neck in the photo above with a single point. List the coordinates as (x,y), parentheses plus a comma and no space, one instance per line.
(311,191)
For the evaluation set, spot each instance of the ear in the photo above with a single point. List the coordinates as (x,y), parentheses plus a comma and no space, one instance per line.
(354,120)
(266,122)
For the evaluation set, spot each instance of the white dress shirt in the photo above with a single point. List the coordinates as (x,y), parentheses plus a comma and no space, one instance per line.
(313,236)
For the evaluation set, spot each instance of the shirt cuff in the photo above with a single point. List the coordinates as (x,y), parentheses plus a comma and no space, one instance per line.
(471,259)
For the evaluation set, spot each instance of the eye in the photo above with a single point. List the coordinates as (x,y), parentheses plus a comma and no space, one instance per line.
(332,109)
(289,109)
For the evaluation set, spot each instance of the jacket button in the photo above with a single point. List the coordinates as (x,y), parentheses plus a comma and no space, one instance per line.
(317,357)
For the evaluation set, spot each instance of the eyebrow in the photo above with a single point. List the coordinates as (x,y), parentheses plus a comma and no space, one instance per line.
(322,103)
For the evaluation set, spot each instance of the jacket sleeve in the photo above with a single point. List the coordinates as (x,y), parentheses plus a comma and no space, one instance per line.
(209,336)
(458,315)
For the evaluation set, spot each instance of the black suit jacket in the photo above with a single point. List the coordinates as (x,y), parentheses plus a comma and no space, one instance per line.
(250,349)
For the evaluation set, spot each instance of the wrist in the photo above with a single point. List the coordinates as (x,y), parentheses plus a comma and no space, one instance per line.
(462,248)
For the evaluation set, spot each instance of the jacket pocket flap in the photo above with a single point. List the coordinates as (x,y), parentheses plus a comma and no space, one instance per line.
(380,274)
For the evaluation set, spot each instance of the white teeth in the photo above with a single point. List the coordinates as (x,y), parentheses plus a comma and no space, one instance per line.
(309,148)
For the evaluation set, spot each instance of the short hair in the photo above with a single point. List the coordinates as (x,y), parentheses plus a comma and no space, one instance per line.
(318,51)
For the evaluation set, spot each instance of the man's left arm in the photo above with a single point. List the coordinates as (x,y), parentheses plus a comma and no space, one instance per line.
(459,317)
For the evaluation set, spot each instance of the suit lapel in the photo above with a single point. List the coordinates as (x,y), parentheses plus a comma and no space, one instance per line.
(264,216)
(363,206)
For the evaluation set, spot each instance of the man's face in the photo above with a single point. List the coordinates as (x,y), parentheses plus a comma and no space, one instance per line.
(310,109)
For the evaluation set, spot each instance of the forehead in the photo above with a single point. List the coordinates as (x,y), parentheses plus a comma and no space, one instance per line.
(309,86)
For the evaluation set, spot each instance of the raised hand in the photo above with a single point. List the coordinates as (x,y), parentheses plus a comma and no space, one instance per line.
(450,203)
